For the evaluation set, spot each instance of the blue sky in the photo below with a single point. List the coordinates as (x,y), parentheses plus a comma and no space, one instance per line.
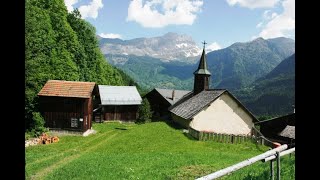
(219,22)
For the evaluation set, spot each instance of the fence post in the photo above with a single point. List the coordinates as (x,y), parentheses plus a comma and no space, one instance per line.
(278,165)
(271,170)
(198,135)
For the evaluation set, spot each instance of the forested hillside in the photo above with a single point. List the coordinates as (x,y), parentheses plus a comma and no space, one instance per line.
(151,72)
(62,46)
(274,93)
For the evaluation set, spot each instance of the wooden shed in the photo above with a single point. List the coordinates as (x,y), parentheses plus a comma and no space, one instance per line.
(67,105)
(280,129)
(118,103)
(161,99)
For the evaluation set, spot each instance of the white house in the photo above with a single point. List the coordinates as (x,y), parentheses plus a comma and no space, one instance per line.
(211,110)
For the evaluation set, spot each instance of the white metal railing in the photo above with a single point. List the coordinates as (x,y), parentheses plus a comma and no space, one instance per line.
(270,155)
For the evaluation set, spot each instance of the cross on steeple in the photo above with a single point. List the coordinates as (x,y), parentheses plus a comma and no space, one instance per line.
(202,75)
(204,44)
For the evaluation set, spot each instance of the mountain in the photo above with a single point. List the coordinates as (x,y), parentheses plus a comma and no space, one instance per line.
(274,93)
(151,72)
(233,67)
(169,47)
(240,64)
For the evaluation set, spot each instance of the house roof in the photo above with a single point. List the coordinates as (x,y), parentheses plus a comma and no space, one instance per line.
(203,67)
(289,119)
(289,132)
(119,95)
(167,94)
(62,88)
(191,105)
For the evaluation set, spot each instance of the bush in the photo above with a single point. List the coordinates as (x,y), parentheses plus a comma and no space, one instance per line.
(27,136)
(144,112)
(37,125)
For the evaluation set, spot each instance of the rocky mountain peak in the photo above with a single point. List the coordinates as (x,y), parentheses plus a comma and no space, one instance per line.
(169,47)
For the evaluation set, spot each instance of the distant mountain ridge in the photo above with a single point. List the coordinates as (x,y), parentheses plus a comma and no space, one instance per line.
(169,47)
(241,64)
(233,68)
(241,68)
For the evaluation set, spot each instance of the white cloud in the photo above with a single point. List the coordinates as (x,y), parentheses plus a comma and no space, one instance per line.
(280,24)
(110,35)
(252,4)
(212,47)
(91,10)
(259,25)
(160,13)
(70,3)
(86,11)
(267,15)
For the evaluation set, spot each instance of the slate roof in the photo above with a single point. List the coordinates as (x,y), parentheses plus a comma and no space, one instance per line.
(189,107)
(167,94)
(62,88)
(119,95)
(203,67)
(289,132)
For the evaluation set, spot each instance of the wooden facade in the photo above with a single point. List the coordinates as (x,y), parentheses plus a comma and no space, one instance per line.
(66,113)
(117,103)
(119,112)
(67,105)
(159,105)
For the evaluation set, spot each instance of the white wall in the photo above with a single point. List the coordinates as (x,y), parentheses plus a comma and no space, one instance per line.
(224,115)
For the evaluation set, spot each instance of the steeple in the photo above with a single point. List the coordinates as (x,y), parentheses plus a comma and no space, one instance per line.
(201,75)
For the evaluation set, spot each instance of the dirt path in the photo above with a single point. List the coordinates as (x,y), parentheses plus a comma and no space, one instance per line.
(69,150)
(49,169)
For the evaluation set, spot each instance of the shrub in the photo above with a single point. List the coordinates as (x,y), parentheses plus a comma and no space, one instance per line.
(144,112)
(38,125)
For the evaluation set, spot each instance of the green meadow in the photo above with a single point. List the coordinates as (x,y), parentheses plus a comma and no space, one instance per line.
(147,151)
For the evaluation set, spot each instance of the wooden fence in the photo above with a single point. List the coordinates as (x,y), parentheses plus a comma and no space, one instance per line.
(255,136)
(217,137)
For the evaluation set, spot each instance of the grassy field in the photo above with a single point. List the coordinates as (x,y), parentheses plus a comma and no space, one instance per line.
(147,151)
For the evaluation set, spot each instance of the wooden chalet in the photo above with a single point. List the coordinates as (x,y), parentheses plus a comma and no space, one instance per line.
(280,129)
(161,99)
(67,105)
(117,103)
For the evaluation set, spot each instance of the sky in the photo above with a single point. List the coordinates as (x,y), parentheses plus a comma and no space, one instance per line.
(218,22)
